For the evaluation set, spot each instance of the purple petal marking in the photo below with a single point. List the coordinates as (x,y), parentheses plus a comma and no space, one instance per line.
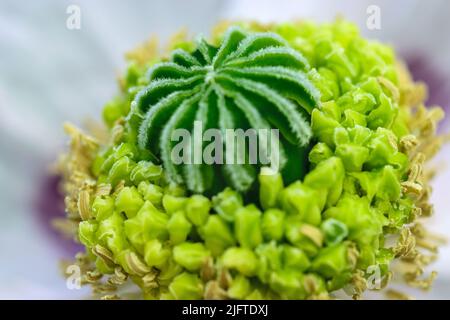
(422,69)
(49,204)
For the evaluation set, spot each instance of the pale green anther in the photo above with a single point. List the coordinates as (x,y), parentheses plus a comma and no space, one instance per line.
(247,226)
(304,202)
(326,81)
(146,171)
(190,255)
(110,233)
(331,261)
(186,286)
(172,204)
(124,150)
(334,230)
(240,287)
(366,256)
(332,109)
(389,184)
(102,207)
(353,156)
(129,201)
(323,127)
(179,227)
(272,224)
(288,284)
(120,170)
(97,163)
(320,152)
(166,295)
(353,118)
(314,284)
(328,175)
(156,254)
(304,236)
(240,259)
(383,115)
(197,209)
(112,111)
(168,271)
(149,223)
(86,233)
(151,192)
(255,295)
(102,266)
(269,259)
(271,183)
(383,151)
(295,258)
(217,235)
(175,190)
(364,222)
(227,203)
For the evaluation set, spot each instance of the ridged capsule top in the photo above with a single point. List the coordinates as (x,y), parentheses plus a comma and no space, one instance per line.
(251,80)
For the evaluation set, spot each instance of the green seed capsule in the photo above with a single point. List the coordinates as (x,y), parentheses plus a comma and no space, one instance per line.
(155,255)
(191,256)
(240,259)
(227,203)
(239,288)
(271,184)
(197,209)
(102,207)
(129,201)
(179,227)
(217,235)
(186,286)
(334,230)
(272,224)
(247,227)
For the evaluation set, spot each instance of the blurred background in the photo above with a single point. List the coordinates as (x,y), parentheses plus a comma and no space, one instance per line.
(50,74)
